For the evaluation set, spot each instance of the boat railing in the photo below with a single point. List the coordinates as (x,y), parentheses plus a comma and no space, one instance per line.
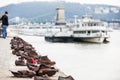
(90,28)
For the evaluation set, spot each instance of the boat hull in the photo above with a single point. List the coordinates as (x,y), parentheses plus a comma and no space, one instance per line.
(75,39)
(95,40)
(59,39)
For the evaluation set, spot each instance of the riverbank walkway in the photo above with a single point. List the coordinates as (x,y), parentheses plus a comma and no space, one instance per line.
(7,62)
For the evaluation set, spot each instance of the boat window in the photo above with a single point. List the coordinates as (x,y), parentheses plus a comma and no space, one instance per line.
(95,31)
(82,24)
(50,27)
(92,24)
(44,28)
(95,24)
(77,32)
(85,24)
(89,24)
(88,32)
(30,27)
(34,27)
(77,25)
(37,27)
(103,31)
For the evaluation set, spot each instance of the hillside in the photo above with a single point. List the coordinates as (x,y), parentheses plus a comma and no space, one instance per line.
(45,11)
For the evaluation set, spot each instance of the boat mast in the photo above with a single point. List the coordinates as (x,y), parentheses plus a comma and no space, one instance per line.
(75,21)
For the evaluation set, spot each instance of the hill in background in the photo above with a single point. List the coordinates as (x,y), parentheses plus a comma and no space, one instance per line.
(46,11)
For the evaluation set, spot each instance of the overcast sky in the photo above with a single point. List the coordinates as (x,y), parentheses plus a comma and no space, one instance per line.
(109,2)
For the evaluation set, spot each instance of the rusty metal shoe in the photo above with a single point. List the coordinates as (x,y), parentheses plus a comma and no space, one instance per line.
(23,74)
(44,77)
(47,71)
(20,63)
(47,61)
(65,78)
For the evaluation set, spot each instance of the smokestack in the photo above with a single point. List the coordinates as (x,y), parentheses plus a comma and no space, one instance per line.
(60,16)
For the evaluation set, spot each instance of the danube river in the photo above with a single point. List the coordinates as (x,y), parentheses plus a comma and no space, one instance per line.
(84,61)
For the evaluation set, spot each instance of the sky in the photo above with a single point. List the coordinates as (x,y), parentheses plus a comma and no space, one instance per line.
(108,2)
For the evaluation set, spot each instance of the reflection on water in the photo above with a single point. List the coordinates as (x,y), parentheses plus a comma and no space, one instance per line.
(84,61)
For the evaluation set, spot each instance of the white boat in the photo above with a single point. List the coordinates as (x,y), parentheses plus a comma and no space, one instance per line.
(31,29)
(86,29)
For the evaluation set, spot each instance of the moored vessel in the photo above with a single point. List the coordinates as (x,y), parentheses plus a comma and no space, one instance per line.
(85,29)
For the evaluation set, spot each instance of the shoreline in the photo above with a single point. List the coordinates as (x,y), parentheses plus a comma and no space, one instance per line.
(7,62)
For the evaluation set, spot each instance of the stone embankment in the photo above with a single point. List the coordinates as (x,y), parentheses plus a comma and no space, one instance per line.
(20,61)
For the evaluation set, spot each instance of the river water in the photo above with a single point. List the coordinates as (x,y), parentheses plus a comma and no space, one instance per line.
(84,61)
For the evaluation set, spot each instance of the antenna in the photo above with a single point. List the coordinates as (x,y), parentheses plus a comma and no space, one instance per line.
(75,17)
